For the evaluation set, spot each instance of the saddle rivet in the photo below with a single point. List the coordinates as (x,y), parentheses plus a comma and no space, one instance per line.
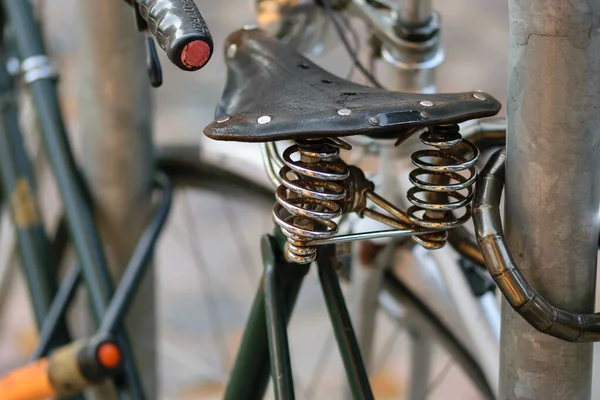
(424,115)
(479,96)
(224,119)
(374,121)
(426,103)
(250,27)
(232,50)
(344,111)
(265,119)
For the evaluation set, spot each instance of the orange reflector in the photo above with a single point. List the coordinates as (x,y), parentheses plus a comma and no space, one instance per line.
(109,355)
(27,383)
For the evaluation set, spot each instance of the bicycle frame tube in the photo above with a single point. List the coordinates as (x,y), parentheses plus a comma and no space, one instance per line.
(250,374)
(57,311)
(78,212)
(18,185)
(408,70)
(402,72)
(136,268)
(32,242)
(415,12)
(342,327)
(281,367)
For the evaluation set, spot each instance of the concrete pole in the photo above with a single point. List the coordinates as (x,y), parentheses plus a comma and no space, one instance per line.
(552,188)
(116,128)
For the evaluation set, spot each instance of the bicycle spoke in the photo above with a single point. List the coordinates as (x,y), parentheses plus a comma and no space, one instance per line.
(322,363)
(388,347)
(207,288)
(240,242)
(435,382)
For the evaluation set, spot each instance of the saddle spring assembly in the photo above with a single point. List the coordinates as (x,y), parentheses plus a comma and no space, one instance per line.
(317,187)
(443,183)
(313,197)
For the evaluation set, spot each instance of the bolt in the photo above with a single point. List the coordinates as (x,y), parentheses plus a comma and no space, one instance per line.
(479,96)
(424,115)
(265,119)
(374,121)
(302,222)
(345,111)
(426,103)
(224,119)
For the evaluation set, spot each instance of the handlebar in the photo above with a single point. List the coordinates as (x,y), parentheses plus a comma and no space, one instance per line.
(179,29)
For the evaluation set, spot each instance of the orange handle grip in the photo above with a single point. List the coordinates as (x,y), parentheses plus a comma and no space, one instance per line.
(30,382)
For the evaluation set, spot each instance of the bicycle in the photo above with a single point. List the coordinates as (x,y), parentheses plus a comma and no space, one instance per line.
(475,255)
(429,318)
(189,46)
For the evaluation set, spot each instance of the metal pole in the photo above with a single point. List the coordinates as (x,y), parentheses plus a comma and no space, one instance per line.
(117,152)
(552,189)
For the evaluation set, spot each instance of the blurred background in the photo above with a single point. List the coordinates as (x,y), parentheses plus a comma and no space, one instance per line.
(202,307)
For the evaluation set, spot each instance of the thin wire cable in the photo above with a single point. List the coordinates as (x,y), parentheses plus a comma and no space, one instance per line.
(349,28)
(353,55)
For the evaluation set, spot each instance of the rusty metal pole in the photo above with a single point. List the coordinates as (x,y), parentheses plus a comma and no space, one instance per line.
(552,188)
(115,124)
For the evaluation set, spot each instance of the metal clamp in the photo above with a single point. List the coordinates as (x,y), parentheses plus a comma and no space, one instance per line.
(400,48)
(38,67)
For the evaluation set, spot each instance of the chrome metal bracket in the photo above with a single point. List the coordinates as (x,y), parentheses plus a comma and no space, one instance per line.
(38,67)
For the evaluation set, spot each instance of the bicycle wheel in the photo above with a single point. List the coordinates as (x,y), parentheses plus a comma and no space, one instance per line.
(208,268)
(227,287)
(208,265)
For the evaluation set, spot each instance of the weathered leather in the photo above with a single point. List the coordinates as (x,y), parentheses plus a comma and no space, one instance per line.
(266,78)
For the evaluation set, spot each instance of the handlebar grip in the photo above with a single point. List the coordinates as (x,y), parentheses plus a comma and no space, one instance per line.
(180,31)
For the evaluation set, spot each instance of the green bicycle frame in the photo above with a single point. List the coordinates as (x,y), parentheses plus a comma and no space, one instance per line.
(264,346)
(17,183)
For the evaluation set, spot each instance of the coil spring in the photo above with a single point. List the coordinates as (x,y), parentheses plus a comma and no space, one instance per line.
(310,197)
(439,187)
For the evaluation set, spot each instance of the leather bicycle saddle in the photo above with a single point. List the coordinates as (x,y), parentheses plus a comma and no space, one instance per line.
(274,93)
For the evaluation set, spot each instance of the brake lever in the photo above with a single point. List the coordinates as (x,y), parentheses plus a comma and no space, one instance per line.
(152,61)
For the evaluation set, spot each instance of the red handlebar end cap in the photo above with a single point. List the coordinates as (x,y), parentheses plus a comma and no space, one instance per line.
(195,54)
